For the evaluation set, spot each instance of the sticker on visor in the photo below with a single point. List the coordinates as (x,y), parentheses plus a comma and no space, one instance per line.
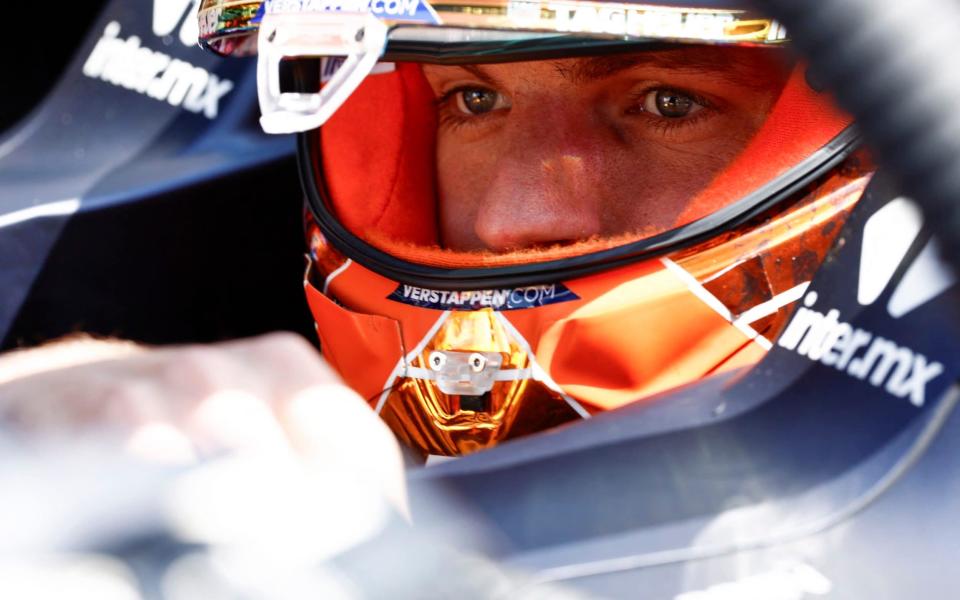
(499,299)
(405,11)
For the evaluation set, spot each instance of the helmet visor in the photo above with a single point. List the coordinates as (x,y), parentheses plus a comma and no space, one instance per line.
(490,134)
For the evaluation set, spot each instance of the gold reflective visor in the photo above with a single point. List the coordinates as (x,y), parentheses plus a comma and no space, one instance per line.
(226,26)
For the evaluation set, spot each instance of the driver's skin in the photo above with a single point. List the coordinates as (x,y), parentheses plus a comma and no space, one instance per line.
(528,154)
(563,150)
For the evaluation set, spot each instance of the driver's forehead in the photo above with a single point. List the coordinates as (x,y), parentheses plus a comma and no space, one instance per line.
(746,68)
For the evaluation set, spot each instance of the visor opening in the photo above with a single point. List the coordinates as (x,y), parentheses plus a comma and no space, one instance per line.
(300,75)
(479,403)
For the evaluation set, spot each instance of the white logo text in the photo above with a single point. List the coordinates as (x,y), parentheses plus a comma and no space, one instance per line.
(125,63)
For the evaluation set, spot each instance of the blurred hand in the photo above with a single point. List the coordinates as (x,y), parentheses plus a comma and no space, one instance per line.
(178,404)
(295,491)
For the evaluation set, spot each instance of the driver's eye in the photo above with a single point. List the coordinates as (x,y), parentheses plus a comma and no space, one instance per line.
(670,104)
(477,101)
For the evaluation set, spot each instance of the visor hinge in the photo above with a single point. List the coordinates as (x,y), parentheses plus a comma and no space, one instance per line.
(358,38)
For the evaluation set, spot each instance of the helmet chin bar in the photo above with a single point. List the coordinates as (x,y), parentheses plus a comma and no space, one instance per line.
(360,38)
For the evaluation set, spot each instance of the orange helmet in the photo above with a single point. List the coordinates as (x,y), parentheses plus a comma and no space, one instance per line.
(462,346)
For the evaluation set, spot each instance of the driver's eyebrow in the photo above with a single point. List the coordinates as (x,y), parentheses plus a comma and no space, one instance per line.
(719,65)
(478,72)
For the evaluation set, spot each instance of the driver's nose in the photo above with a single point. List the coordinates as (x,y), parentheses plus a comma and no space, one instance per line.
(547,185)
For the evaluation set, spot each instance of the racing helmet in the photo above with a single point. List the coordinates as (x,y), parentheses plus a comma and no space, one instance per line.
(521,213)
